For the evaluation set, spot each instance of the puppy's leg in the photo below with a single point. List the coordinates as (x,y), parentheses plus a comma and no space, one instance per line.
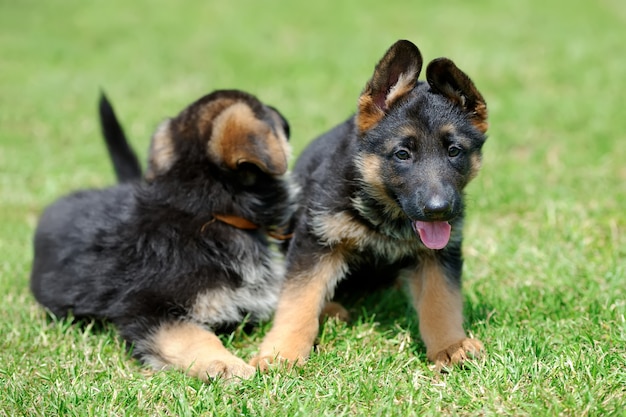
(194,350)
(296,322)
(439,304)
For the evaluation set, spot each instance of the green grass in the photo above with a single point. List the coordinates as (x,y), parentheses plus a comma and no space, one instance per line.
(545,275)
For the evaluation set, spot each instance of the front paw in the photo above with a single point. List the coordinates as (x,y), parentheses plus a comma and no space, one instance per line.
(227,368)
(457,353)
(289,356)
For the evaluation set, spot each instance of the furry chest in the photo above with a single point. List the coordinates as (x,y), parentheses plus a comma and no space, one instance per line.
(341,229)
(256,297)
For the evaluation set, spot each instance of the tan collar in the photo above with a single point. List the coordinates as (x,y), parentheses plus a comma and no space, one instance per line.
(243,224)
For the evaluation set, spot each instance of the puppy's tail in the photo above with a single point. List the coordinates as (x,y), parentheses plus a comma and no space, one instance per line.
(125,162)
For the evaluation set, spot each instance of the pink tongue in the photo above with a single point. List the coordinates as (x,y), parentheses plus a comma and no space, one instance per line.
(435,235)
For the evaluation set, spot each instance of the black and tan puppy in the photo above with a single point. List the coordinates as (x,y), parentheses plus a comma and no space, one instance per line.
(383,193)
(172,259)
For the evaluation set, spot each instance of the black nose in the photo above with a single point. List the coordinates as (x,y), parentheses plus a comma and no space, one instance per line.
(437,208)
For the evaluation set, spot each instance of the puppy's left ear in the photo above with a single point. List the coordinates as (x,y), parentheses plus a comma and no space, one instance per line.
(445,78)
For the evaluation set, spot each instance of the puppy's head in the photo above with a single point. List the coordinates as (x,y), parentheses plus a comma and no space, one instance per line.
(227,130)
(420,143)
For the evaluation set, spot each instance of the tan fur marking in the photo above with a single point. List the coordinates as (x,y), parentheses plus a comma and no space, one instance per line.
(479,119)
(405,83)
(475,164)
(238,137)
(296,322)
(200,353)
(440,310)
(408,131)
(162,154)
(342,230)
(447,129)
(370,167)
(369,113)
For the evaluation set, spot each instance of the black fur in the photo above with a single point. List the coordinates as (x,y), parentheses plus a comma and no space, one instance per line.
(143,253)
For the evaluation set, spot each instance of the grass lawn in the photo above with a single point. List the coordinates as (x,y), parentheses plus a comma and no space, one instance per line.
(545,248)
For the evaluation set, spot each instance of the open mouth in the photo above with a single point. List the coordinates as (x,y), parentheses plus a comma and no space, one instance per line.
(434,235)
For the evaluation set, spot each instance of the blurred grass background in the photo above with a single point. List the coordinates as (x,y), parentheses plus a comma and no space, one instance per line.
(546,231)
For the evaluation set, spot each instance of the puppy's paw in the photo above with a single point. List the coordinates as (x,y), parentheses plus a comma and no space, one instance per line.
(334,310)
(287,358)
(457,353)
(264,362)
(288,344)
(228,369)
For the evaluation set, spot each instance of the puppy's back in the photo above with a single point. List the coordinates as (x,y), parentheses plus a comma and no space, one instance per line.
(77,222)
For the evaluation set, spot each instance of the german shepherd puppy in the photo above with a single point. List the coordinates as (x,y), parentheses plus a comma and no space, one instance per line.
(383,193)
(174,258)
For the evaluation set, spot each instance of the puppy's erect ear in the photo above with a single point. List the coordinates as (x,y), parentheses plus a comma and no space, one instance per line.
(239,137)
(394,77)
(445,78)
(162,155)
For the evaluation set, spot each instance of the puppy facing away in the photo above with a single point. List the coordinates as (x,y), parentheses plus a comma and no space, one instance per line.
(174,258)
(382,193)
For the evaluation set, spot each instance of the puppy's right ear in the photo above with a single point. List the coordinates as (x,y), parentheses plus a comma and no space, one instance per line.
(162,155)
(394,77)
(282,121)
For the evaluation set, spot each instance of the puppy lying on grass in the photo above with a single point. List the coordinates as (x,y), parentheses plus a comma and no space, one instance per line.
(171,259)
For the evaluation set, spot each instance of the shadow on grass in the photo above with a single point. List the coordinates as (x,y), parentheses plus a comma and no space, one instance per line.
(86,325)
(390,307)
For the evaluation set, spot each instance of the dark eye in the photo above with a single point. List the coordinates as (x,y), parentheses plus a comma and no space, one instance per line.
(403,154)
(454,151)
